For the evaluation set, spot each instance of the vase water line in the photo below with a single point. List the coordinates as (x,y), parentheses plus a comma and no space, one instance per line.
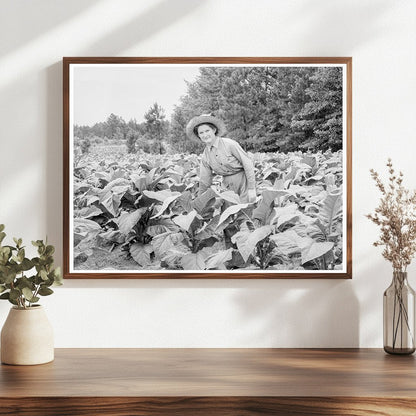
(399,316)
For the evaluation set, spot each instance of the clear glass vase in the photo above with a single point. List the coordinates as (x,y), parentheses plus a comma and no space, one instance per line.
(399,316)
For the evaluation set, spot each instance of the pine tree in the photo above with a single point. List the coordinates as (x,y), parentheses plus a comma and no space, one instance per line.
(156,126)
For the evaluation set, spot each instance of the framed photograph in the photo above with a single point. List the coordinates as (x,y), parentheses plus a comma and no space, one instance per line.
(209,168)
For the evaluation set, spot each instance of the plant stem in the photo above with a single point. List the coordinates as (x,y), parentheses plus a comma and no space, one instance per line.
(401,314)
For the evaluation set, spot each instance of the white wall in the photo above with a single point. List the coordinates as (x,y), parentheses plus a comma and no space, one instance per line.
(380,35)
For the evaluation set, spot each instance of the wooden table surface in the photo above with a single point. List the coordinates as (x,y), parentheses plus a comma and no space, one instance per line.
(212,382)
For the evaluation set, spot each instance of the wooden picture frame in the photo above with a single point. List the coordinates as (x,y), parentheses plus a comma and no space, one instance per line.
(135,215)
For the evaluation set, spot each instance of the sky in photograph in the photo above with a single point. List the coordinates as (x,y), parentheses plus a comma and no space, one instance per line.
(126,90)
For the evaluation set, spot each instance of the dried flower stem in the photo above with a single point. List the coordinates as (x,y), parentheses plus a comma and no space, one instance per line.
(396,216)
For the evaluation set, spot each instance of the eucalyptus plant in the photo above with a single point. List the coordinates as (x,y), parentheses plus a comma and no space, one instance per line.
(16,285)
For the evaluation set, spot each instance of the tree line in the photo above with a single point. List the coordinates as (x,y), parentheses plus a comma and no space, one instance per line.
(266,109)
(148,136)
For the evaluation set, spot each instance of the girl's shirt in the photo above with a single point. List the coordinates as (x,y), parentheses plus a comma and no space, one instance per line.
(224,157)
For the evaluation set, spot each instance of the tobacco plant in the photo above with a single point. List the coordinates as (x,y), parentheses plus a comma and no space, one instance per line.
(149,207)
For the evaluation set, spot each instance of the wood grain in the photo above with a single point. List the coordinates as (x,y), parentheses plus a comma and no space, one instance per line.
(208,406)
(212,381)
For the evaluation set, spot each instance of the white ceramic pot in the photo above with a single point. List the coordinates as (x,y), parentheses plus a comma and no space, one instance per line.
(27,337)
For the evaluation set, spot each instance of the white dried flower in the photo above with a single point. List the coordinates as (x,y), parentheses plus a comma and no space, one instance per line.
(396,216)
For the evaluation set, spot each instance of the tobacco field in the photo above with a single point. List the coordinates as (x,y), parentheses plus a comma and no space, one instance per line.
(142,212)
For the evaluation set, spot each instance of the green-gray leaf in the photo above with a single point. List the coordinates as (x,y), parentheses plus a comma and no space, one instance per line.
(26,264)
(49,250)
(7,277)
(15,294)
(27,293)
(21,255)
(57,276)
(45,291)
(24,282)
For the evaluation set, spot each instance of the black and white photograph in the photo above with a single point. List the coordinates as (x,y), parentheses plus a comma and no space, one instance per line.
(207,168)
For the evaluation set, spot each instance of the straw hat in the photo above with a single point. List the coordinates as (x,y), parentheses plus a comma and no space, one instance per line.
(204,119)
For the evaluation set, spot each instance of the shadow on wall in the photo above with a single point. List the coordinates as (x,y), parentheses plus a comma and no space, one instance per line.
(347,25)
(37,18)
(158,17)
(162,15)
(284,313)
(54,144)
(299,313)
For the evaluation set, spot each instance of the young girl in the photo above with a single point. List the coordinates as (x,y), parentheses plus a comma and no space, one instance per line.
(222,156)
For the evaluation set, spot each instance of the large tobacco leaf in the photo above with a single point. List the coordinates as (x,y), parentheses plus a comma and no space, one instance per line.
(185,221)
(247,240)
(150,205)
(128,220)
(219,259)
(141,253)
(162,243)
